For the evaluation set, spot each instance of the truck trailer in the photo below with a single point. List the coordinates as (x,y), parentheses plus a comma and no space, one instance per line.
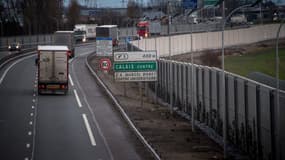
(52,64)
(65,38)
(84,32)
(108,31)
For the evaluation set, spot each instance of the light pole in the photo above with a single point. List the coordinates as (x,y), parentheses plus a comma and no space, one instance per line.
(192,69)
(225,19)
(1,28)
(277,91)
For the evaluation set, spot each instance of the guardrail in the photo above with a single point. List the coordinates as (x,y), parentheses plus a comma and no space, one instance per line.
(25,41)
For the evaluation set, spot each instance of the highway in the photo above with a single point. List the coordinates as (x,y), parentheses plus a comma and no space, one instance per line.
(80,125)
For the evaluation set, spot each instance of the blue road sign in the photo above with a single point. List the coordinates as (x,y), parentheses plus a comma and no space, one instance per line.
(189,4)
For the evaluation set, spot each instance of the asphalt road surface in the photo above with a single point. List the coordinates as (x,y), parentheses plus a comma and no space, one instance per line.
(81,125)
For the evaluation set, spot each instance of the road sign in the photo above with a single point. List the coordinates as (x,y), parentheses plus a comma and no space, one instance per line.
(135,66)
(189,4)
(104,46)
(135,56)
(136,76)
(210,2)
(105,64)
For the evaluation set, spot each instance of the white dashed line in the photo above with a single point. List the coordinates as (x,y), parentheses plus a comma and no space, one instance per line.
(33,107)
(32,114)
(91,137)
(70,79)
(29,133)
(28,145)
(77,98)
(31,122)
(26,158)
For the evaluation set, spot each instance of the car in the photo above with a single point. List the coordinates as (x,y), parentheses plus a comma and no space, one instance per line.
(14,47)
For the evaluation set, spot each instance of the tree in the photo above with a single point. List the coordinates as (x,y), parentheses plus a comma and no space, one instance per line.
(73,13)
(133,10)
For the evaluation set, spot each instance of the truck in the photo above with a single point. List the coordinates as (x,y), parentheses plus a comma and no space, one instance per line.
(84,32)
(148,28)
(108,31)
(239,19)
(65,38)
(52,62)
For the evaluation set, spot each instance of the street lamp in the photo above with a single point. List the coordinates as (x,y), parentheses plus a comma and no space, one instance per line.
(225,19)
(277,88)
(192,68)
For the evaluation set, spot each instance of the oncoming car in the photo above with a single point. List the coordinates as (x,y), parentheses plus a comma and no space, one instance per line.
(14,47)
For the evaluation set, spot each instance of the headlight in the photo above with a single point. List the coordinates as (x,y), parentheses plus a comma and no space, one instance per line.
(146,35)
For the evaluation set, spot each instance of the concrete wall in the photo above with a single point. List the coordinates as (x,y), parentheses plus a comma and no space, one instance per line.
(208,40)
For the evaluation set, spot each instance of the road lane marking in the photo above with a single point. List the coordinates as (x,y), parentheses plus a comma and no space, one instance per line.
(31,123)
(26,158)
(12,65)
(34,100)
(33,107)
(32,114)
(70,79)
(91,136)
(77,98)
(29,133)
(28,145)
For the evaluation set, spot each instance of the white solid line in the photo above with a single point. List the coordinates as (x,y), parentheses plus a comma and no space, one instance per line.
(92,139)
(70,79)
(12,65)
(77,98)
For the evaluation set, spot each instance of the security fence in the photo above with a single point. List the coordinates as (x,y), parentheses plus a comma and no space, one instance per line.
(253,124)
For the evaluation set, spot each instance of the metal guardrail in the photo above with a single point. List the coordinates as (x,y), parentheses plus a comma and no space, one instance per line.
(25,41)
(251,109)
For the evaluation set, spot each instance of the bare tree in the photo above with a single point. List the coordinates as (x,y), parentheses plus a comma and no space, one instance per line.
(133,10)
(73,13)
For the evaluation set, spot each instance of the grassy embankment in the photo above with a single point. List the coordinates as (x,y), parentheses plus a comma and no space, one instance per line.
(258,61)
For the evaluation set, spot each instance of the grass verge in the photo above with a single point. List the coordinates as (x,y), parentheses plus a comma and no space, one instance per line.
(256,61)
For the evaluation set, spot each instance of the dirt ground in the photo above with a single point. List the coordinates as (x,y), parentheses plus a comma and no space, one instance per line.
(170,135)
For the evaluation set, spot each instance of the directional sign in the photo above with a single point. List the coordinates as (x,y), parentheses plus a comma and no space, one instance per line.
(104,46)
(210,2)
(136,76)
(135,66)
(189,4)
(135,56)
